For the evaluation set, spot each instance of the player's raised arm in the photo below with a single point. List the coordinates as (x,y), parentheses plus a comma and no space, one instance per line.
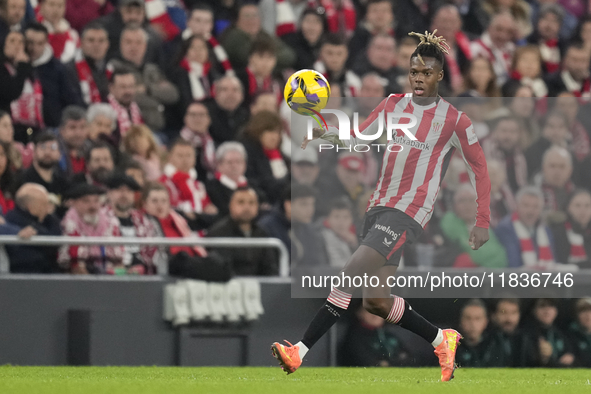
(466,141)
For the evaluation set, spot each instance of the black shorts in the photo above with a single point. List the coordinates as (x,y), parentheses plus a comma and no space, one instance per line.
(387,230)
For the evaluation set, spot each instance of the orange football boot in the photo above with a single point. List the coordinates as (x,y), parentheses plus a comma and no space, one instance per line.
(446,352)
(288,356)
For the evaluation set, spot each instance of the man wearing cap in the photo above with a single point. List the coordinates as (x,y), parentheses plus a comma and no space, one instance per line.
(132,223)
(132,11)
(31,216)
(86,219)
(44,170)
(580,333)
(349,173)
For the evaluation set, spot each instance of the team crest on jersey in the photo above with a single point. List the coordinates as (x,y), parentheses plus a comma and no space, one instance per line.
(436,126)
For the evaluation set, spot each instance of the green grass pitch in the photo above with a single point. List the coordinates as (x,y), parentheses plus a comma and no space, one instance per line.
(238,380)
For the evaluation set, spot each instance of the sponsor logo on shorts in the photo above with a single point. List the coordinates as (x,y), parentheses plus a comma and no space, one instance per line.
(387,230)
(387,243)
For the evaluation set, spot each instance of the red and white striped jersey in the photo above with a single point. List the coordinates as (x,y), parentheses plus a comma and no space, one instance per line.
(410,177)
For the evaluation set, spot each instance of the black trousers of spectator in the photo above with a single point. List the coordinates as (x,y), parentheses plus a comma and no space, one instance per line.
(212,268)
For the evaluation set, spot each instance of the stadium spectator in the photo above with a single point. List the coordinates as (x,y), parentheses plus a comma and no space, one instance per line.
(373,89)
(226,111)
(304,166)
(569,21)
(479,81)
(573,77)
(572,236)
(240,223)
(554,133)
(140,260)
(55,85)
(139,142)
(62,37)
(414,15)
(545,345)
(379,20)
(12,13)
(132,12)
(122,97)
(6,179)
(476,346)
(193,262)
(331,63)
(89,67)
(307,245)
(448,23)
(280,17)
(73,133)
(193,75)
(578,139)
(196,132)
(247,29)
(338,232)
(201,23)
(457,224)
(86,218)
(527,241)
(522,107)
(153,90)
(229,175)
(379,58)
(503,145)
(306,41)
(506,333)
(519,9)
(557,168)
(546,36)
(102,122)
(266,165)
(31,216)
(187,194)
(134,170)
(502,198)
(580,333)
(526,69)
(45,171)
(368,343)
(582,33)
(100,165)
(81,13)
(497,45)
(277,222)
(21,156)
(264,101)
(257,77)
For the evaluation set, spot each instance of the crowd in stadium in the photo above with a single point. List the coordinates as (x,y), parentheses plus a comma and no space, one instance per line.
(166,118)
(505,333)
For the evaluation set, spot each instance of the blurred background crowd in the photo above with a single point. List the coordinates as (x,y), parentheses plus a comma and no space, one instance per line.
(141,118)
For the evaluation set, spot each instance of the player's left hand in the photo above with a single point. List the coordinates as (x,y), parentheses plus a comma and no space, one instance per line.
(478,237)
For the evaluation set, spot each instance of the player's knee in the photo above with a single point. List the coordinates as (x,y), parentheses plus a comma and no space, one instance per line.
(376,306)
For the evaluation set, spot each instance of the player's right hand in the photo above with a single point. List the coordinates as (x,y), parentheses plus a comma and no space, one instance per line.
(317,132)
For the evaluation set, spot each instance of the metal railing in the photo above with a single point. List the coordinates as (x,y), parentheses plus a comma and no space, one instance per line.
(154,241)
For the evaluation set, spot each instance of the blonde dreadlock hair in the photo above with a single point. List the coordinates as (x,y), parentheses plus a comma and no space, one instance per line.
(430,45)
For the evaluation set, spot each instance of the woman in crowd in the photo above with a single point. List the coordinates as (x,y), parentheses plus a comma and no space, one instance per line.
(307,40)
(522,104)
(6,179)
(527,70)
(520,10)
(21,156)
(266,163)
(572,238)
(480,79)
(102,122)
(140,143)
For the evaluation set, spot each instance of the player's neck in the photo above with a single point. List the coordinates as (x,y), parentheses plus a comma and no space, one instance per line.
(425,101)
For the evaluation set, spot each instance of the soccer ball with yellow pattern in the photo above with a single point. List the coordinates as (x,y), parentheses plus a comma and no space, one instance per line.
(306,91)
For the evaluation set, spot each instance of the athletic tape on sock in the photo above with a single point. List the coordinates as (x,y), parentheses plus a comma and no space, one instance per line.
(339,298)
(397,310)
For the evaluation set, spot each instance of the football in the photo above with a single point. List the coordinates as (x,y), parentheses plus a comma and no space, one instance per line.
(307,92)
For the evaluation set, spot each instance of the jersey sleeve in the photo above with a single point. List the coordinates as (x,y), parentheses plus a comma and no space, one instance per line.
(467,143)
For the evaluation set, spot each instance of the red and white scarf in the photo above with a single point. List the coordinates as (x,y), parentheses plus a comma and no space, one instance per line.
(63,39)
(285,20)
(550,55)
(551,200)
(577,253)
(543,258)
(123,115)
(229,182)
(28,108)
(157,14)
(204,142)
(186,192)
(500,58)
(90,92)
(537,85)
(277,163)
(342,19)
(581,90)
(198,79)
